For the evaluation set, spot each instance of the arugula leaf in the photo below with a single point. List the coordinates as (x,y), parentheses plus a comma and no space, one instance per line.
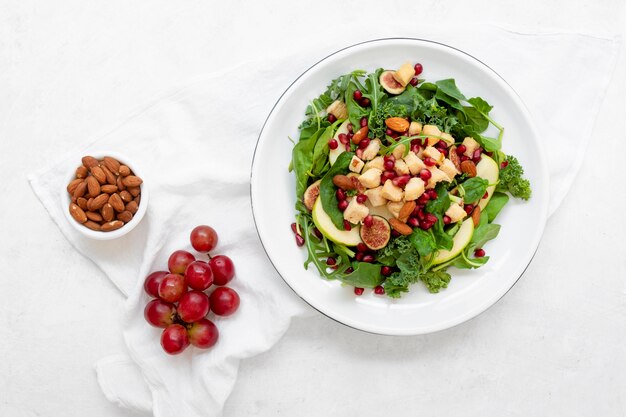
(436,280)
(512,180)
(365,275)
(328,189)
(473,189)
(449,87)
(335,89)
(497,202)
(441,203)
(423,241)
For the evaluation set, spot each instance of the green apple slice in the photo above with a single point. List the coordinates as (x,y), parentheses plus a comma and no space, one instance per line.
(327,227)
(334,153)
(460,241)
(488,169)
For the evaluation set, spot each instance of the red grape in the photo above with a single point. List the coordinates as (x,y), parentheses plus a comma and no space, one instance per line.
(179,260)
(223,269)
(174,339)
(193,306)
(159,313)
(203,238)
(224,301)
(151,284)
(203,333)
(172,287)
(199,275)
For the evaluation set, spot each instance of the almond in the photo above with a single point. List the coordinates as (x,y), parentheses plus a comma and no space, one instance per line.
(98,202)
(81,172)
(82,203)
(92,225)
(112,164)
(125,216)
(80,189)
(98,173)
(134,191)
(133,206)
(454,157)
(406,211)
(90,161)
(93,186)
(397,124)
(107,212)
(400,227)
(120,184)
(111,179)
(77,213)
(113,225)
(476,216)
(344,182)
(124,171)
(109,189)
(89,203)
(132,181)
(71,187)
(360,135)
(93,216)
(469,167)
(116,201)
(126,196)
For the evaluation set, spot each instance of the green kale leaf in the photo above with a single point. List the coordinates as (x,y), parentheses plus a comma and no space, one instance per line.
(512,180)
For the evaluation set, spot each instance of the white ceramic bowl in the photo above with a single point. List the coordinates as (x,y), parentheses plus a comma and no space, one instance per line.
(471,291)
(92,234)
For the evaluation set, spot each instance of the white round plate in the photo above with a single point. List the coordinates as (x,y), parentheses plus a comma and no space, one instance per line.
(470,292)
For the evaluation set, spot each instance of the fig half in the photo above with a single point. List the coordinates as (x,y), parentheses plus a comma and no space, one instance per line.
(311,194)
(389,83)
(377,235)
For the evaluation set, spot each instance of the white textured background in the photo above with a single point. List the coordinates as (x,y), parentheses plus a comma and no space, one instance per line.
(555,345)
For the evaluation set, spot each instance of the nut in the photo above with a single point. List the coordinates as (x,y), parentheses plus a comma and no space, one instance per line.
(454,157)
(93,186)
(112,164)
(89,203)
(397,124)
(99,174)
(344,182)
(132,181)
(120,184)
(71,187)
(90,161)
(92,225)
(77,213)
(400,227)
(112,225)
(125,216)
(133,206)
(134,191)
(116,202)
(406,211)
(360,135)
(109,189)
(82,203)
(124,170)
(98,202)
(476,216)
(126,196)
(92,215)
(138,199)
(111,179)
(80,189)
(469,168)
(81,172)
(107,212)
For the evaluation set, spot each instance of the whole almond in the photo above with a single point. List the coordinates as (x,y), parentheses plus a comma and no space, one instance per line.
(98,202)
(71,187)
(107,212)
(134,191)
(110,226)
(360,134)
(112,164)
(82,203)
(397,124)
(469,167)
(116,201)
(344,182)
(90,161)
(81,172)
(93,186)
(400,227)
(454,157)
(109,189)
(132,181)
(94,216)
(476,216)
(120,184)
(138,199)
(406,211)
(89,203)
(92,225)
(77,213)
(80,189)
(124,170)
(99,174)
(111,179)
(125,216)
(126,196)
(132,207)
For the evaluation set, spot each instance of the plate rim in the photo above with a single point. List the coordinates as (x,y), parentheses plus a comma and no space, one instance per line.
(410,332)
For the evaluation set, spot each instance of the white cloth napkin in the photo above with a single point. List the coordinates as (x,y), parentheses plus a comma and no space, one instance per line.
(195,147)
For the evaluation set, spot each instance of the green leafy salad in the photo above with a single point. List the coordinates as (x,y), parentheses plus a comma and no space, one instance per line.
(397,180)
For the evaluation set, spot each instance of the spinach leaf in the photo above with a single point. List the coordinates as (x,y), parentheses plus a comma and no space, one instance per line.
(442,238)
(423,241)
(441,203)
(321,150)
(465,261)
(483,233)
(302,161)
(497,202)
(365,275)
(355,111)
(476,120)
(473,189)
(436,280)
(410,99)
(328,189)
(450,101)
(449,87)
(480,105)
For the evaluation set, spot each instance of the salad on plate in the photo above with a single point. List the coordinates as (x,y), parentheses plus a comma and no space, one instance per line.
(398,179)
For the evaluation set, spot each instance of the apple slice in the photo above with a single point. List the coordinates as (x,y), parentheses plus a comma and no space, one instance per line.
(460,241)
(488,169)
(334,153)
(327,227)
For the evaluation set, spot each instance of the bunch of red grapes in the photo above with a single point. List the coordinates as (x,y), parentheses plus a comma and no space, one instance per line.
(180,303)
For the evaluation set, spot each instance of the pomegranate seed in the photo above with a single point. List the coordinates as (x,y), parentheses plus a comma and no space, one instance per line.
(423,198)
(349,270)
(361,198)
(415,148)
(421,215)
(294,228)
(347,146)
(395,135)
(432,194)
(350,136)
(431,218)
(299,240)
(340,194)
(460,150)
(359,256)
(317,233)
(425,174)
(395,233)
(441,144)
(489,154)
(364,143)
(468,208)
(430,162)
(479,253)
(332,118)
(476,156)
(386,271)
(368,258)
(388,132)
(332,144)
(358,291)
(416,142)
(343,205)
(387,175)
(464,158)
(358,95)
(504,164)
(368,221)
(416,210)
(447,220)
(418,68)
(363,121)
(350,128)
(346,224)
(401,181)
(364,102)
(389,158)
(486,194)
(413,82)
(426,225)
(361,247)
(389,165)
(444,151)
(379,290)
(413,222)
(343,138)
(331,261)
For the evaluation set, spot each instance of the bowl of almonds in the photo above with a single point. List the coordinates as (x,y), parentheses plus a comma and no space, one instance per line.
(105,197)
